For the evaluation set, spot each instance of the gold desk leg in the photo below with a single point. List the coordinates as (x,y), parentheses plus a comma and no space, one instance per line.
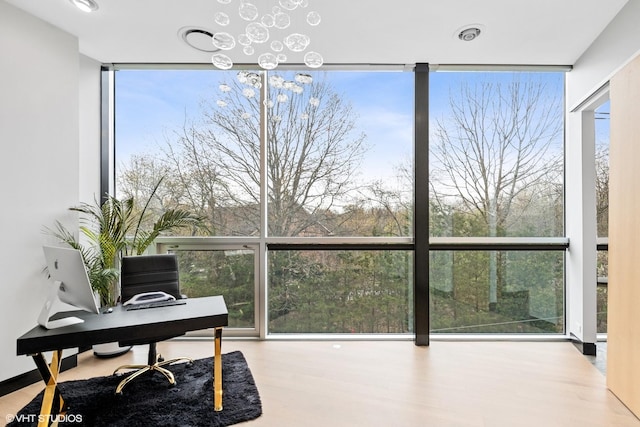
(217,371)
(52,401)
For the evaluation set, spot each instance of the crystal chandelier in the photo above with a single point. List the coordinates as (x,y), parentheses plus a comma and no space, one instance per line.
(265,35)
(253,82)
(283,91)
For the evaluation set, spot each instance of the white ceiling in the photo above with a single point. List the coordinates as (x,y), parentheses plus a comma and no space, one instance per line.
(351,31)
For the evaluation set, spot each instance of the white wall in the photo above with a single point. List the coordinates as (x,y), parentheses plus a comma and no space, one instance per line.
(39,180)
(618,44)
(615,47)
(580,202)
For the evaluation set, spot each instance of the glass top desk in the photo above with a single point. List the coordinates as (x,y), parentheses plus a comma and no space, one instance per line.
(123,325)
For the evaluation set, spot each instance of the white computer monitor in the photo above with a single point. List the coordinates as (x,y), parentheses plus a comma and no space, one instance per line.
(70,285)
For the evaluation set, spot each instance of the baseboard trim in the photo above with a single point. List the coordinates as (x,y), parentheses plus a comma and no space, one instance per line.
(31,377)
(586,348)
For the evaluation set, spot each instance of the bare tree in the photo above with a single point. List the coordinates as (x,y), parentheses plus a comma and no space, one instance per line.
(382,207)
(139,177)
(214,164)
(312,152)
(495,145)
(602,189)
(490,152)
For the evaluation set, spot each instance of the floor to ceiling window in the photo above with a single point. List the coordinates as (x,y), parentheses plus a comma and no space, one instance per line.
(601,116)
(496,188)
(306,182)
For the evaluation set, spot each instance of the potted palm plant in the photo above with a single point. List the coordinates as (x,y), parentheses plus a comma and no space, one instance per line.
(116,228)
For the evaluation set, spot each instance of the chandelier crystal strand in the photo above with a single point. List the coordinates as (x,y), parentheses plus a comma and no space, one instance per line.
(266,33)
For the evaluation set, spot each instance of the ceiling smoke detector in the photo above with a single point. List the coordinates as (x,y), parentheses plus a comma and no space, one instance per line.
(469,34)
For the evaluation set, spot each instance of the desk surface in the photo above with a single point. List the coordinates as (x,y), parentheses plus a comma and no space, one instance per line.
(123,325)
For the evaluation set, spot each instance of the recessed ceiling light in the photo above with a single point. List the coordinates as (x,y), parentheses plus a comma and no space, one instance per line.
(469,32)
(85,5)
(198,38)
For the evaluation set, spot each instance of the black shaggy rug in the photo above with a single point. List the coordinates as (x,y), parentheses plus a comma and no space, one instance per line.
(151,401)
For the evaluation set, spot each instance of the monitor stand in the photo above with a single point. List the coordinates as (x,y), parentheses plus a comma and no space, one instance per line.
(47,312)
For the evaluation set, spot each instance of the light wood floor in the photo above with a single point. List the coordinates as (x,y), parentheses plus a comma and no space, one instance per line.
(372,383)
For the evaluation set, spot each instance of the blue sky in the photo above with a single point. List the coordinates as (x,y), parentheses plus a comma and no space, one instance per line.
(602,124)
(153,103)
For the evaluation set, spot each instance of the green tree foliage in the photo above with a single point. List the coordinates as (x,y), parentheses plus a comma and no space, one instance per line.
(222,272)
(340,291)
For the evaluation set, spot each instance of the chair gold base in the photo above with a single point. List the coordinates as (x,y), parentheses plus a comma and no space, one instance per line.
(141,369)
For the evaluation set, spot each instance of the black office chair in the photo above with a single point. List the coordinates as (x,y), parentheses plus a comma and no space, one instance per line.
(149,273)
